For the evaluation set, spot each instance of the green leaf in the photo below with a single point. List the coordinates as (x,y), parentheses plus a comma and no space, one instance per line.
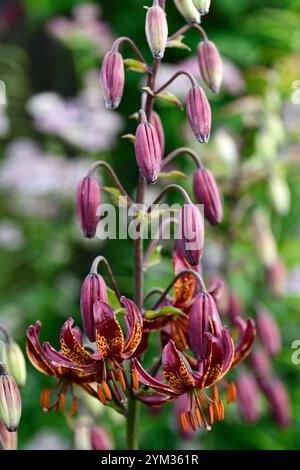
(173,174)
(154,258)
(178,44)
(148,90)
(170,309)
(136,65)
(170,98)
(116,196)
(113,300)
(130,137)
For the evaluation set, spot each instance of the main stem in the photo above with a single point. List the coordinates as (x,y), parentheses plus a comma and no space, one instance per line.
(138,248)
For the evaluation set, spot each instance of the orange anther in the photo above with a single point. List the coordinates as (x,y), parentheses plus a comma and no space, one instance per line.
(45,397)
(192,421)
(73,406)
(135,379)
(184,422)
(211,414)
(101,395)
(107,391)
(122,380)
(198,417)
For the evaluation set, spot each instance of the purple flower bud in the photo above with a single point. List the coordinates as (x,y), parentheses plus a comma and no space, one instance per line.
(93,290)
(268,332)
(203,314)
(235,306)
(157,30)
(10,401)
(279,400)
(207,193)
(148,151)
(8,440)
(202,6)
(276,275)
(100,439)
(199,114)
(260,363)
(156,122)
(88,201)
(191,228)
(211,66)
(112,79)
(248,397)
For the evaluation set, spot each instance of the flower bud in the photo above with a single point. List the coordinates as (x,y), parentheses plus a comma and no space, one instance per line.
(191,228)
(88,201)
(93,290)
(199,114)
(235,306)
(264,240)
(207,193)
(112,79)
(278,397)
(157,124)
(268,332)
(202,6)
(8,440)
(10,401)
(100,439)
(157,30)
(260,363)
(203,314)
(248,397)
(276,277)
(15,362)
(211,66)
(188,10)
(148,151)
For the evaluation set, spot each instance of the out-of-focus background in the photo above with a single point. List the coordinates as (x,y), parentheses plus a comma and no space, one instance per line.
(53,125)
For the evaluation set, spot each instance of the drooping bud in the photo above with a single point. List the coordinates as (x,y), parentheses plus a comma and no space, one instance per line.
(248,397)
(93,290)
(188,10)
(100,439)
(279,400)
(202,6)
(268,332)
(260,363)
(8,440)
(10,401)
(203,315)
(157,124)
(199,114)
(15,362)
(264,240)
(156,30)
(147,150)
(276,277)
(211,66)
(112,79)
(235,306)
(88,201)
(207,193)
(191,228)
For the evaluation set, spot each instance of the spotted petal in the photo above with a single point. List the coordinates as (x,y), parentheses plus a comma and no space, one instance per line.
(184,288)
(214,362)
(109,335)
(146,379)
(228,349)
(134,326)
(71,344)
(35,352)
(176,369)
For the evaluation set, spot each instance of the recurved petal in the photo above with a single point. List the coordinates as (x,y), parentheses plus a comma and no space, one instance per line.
(71,344)
(109,335)
(35,352)
(214,362)
(228,350)
(150,381)
(155,400)
(198,326)
(247,333)
(176,369)
(185,287)
(134,326)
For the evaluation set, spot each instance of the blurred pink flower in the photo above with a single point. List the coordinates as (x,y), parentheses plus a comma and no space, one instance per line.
(85,25)
(81,121)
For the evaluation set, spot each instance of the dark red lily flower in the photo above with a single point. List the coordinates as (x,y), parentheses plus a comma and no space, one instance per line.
(247,334)
(182,379)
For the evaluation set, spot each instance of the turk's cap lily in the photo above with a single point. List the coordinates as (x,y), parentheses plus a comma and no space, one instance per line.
(199,114)
(112,79)
(246,337)
(210,64)
(148,151)
(93,290)
(88,202)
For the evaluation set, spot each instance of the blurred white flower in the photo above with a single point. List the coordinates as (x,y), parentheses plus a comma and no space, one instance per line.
(4,122)
(11,236)
(81,121)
